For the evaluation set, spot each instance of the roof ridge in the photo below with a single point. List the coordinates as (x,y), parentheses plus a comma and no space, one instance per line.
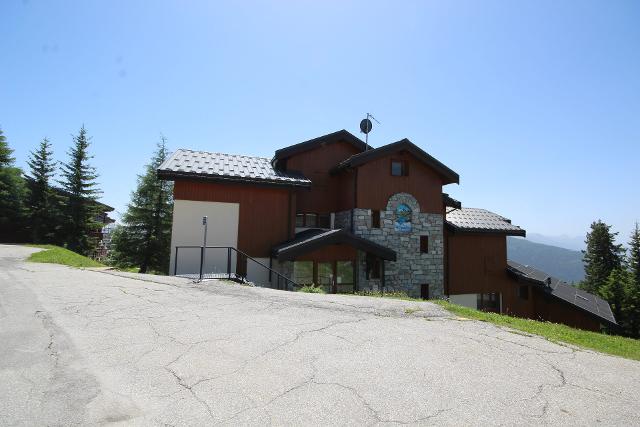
(222,154)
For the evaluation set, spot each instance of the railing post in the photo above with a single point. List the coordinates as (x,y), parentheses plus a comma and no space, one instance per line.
(229,262)
(201,260)
(175,263)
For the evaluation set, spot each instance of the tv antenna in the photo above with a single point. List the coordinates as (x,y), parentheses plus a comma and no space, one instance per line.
(366,126)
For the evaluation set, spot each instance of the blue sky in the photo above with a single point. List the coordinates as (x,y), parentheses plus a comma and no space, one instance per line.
(536,104)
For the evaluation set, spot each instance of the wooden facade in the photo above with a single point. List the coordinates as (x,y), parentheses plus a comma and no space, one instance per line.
(477,264)
(326,192)
(266,213)
(376,185)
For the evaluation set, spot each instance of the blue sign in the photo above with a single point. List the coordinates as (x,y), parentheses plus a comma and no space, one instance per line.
(403,218)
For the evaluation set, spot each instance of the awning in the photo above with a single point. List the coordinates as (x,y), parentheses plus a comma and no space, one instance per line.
(316,238)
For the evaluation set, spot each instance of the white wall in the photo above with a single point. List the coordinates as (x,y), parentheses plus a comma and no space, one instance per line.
(465,300)
(188,230)
(258,274)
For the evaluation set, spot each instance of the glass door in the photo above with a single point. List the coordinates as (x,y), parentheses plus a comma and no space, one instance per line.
(325,276)
(344,277)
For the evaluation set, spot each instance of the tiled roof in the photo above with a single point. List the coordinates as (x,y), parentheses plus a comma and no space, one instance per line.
(564,291)
(481,221)
(227,167)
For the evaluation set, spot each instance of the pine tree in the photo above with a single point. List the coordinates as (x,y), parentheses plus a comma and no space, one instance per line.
(632,306)
(601,257)
(42,206)
(79,182)
(144,238)
(12,196)
(614,291)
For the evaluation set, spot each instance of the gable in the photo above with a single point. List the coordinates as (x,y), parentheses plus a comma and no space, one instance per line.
(343,136)
(403,146)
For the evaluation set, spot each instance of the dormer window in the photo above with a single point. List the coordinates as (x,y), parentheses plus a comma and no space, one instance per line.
(399,168)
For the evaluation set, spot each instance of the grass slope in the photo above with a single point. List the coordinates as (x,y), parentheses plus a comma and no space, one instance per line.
(57,255)
(618,346)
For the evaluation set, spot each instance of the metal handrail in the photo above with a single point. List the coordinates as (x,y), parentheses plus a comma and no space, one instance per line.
(229,249)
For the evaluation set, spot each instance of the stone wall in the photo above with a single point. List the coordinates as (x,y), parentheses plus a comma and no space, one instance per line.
(412,267)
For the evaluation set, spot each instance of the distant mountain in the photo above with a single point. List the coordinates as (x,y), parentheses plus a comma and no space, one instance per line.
(565,264)
(575,243)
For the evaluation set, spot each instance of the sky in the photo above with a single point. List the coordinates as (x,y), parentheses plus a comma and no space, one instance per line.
(536,104)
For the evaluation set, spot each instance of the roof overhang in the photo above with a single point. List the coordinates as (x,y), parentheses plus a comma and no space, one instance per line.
(448,176)
(172,176)
(466,230)
(311,240)
(450,202)
(341,135)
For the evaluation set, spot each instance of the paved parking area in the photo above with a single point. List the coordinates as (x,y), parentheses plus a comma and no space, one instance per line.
(88,347)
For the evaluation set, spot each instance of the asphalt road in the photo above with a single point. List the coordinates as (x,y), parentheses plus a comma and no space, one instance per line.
(87,347)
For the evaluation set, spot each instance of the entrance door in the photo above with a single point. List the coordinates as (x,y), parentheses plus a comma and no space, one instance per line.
(424,291)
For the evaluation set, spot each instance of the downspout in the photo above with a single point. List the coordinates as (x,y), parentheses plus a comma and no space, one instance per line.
(355,198)
(447,252)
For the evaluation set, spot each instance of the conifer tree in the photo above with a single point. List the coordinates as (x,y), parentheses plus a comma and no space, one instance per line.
(144,238)
(601,257)
(12,196)
(614,291)
(632,306)
(42,207)
(79,182)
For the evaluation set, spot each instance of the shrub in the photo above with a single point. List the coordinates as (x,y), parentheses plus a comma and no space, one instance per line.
(312,289)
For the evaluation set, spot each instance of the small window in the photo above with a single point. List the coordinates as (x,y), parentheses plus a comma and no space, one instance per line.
(299,220)
(375,219)
(424,244)
(399,168)
(489,302)
(311,220)
(373,267)
(523,292)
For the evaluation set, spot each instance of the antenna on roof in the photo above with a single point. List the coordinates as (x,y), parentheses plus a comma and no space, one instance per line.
(365,127)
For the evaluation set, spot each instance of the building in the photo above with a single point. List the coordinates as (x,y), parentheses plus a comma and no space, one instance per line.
(338,213)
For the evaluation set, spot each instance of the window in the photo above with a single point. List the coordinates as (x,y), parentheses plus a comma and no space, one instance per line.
(307,220)
(373,267)
(303,272)
(489,302)
(424,244)
(523,292)
(325,275)
(311,220)
(375,219)
(399,168)
(344,276)
(324,221)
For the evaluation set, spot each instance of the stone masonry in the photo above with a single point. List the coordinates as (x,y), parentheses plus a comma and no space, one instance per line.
(412,267)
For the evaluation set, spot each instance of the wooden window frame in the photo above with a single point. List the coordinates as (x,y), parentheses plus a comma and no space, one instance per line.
(304,219)
(523,292)
(404,167)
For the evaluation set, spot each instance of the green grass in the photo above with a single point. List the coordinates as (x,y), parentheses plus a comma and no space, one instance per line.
(57,255)
(555,332)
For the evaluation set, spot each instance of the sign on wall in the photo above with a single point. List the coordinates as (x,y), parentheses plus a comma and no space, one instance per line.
(403,218)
